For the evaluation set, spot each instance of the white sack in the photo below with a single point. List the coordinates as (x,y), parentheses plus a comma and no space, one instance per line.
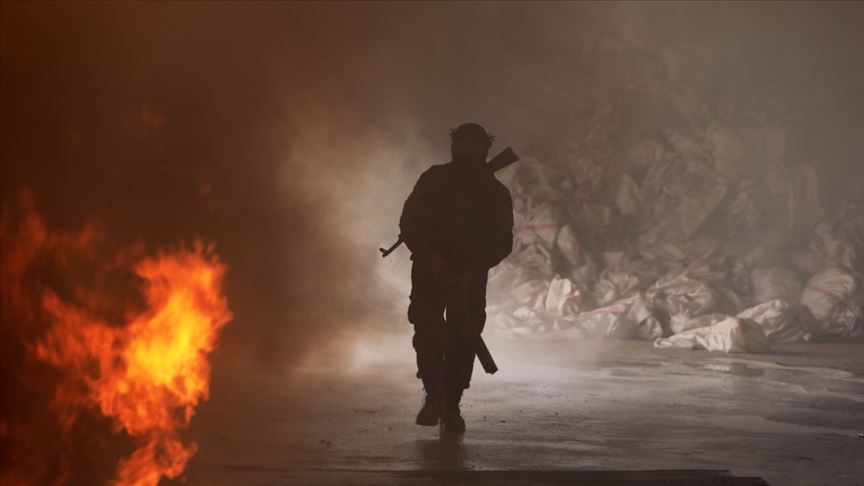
(536,222)
(780,321)
(706,320)
(834,248)
(684,298)
(775,283)
(570,247)
(732,335)
(562,292)
(609,322)
(834,297)
(625,319)
(624,279)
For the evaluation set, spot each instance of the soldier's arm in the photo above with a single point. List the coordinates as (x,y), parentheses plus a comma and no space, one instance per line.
(500,242)
(413,224)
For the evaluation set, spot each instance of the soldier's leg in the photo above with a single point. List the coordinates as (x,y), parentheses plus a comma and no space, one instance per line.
(459,361)
(426,313)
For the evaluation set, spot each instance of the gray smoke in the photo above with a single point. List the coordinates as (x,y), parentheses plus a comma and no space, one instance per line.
(291,133)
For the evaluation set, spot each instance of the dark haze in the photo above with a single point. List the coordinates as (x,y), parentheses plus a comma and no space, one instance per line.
(291,133)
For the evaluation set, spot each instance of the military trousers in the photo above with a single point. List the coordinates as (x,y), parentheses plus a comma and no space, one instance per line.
(445,353)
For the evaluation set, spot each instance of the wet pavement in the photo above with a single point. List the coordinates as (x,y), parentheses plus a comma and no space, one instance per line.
(573,411)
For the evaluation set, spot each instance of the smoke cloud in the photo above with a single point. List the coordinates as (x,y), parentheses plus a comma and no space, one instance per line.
(291,133)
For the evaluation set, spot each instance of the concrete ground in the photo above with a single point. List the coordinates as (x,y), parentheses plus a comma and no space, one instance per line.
(556,413)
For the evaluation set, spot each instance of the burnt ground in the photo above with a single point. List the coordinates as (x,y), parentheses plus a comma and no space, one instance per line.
(591,412)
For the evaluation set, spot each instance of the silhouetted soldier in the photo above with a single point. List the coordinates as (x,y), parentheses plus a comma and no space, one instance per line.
(458,223)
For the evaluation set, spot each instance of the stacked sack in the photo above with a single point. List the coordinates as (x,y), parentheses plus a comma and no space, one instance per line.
(676,214)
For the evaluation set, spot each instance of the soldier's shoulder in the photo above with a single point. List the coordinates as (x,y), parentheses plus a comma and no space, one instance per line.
(437,169)
(435,173)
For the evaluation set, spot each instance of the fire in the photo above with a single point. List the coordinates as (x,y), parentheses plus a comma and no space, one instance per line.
(150,371)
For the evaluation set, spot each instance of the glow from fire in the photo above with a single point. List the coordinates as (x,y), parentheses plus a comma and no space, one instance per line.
(153,372)
(149,373)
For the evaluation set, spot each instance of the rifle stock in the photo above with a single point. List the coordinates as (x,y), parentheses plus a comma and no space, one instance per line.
(472,333)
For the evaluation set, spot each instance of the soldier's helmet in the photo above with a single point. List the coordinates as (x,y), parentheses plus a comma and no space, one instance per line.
(472,132)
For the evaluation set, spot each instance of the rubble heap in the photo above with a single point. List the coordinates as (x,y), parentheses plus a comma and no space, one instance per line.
(692,224)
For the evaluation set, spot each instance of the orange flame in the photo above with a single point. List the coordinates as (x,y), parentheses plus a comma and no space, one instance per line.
(149,374)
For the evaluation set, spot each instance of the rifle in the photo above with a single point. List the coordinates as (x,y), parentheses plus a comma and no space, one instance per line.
(500,161)
(470,331)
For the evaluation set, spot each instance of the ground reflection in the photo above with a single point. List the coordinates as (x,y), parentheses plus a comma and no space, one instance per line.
(447,452)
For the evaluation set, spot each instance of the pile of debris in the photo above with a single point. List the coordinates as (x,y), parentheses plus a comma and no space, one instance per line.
(694,228)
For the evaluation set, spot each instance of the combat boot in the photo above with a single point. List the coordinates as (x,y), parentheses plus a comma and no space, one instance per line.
(452,420)
(430,414)
(433,402)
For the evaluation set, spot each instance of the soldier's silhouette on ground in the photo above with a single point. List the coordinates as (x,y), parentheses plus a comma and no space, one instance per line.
(458,223)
